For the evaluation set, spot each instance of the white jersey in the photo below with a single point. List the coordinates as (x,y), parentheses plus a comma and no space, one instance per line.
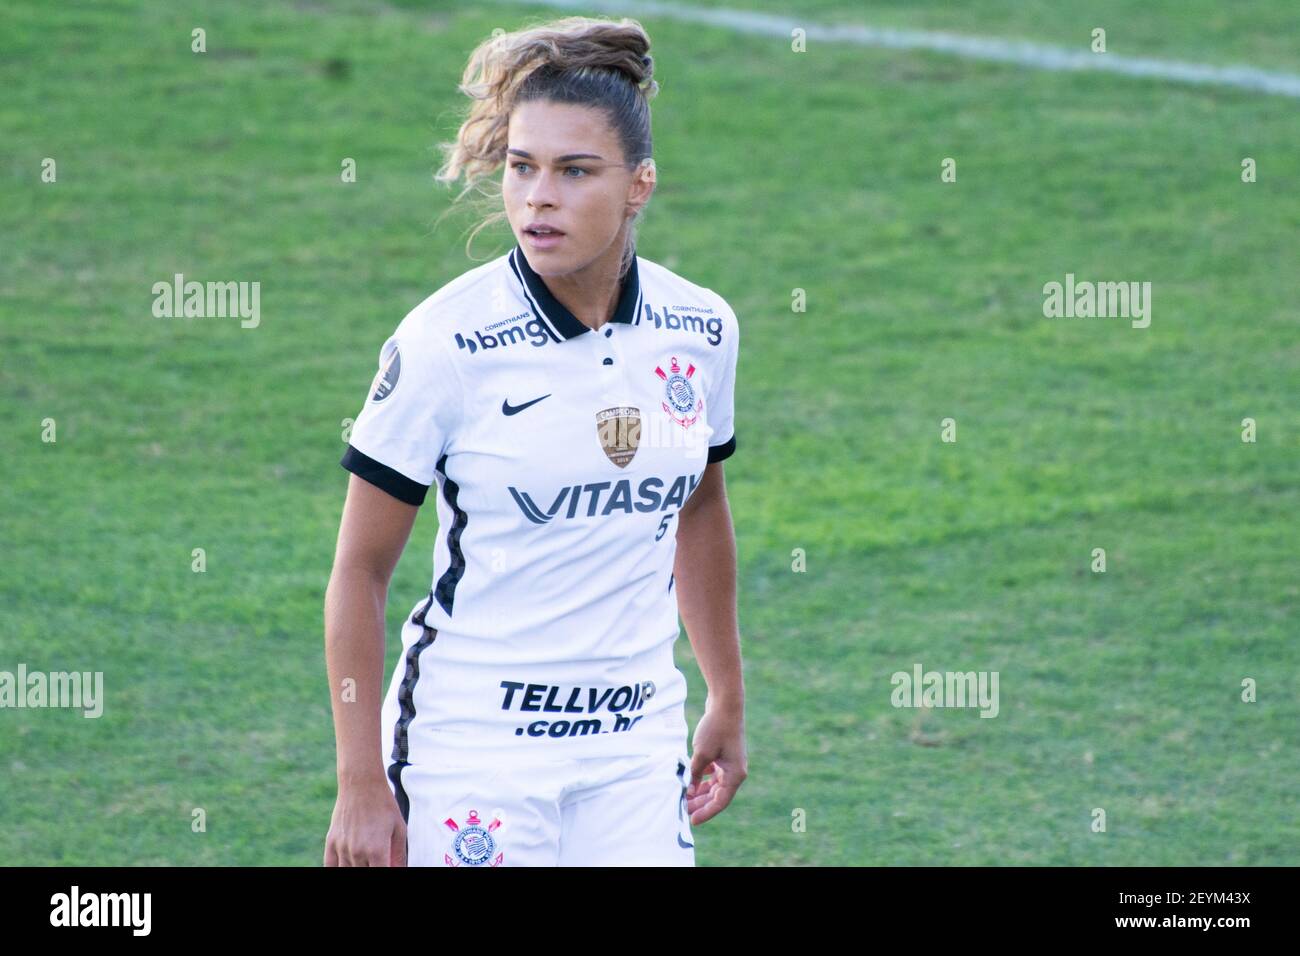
(562,457)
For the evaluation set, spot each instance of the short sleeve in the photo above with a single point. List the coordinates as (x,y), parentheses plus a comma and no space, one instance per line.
(722,397)
(403,429)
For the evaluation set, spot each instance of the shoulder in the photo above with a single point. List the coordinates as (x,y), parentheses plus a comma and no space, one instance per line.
(431,326)
(660,284)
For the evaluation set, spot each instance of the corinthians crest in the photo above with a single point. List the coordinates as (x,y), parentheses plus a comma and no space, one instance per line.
(473,844)
(619,431)
(682,403)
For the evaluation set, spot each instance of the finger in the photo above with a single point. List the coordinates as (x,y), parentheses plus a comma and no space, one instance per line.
(704,814)
(700,797)
(700,766)
(721,798)
(694,786)
(729,777)
(700,802)
(695,790)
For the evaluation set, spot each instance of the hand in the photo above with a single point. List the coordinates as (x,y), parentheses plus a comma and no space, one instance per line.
(367,828)
(718,749)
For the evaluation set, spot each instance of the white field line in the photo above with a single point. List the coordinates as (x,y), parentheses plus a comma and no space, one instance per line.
(1039,56)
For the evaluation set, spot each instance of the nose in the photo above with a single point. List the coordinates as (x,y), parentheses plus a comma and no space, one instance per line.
(542,192)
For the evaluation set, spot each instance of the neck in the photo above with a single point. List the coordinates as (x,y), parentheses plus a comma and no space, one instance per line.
(591,293)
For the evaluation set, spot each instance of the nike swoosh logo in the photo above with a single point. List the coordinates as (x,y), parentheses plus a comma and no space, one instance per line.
(508,409)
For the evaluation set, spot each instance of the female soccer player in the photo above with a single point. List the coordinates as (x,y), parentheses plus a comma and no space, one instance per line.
(573,403)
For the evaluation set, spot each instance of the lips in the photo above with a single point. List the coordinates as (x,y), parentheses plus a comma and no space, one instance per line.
(542,229)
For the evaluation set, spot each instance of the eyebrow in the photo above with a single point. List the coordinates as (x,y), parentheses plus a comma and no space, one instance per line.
(559,159)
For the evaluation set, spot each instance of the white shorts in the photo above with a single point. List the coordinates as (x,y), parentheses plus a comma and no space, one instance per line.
(592,811)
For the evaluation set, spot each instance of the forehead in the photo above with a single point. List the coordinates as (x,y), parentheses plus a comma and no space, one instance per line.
(548,129)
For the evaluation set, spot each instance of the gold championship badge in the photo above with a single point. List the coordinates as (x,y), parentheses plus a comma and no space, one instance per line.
(619,431)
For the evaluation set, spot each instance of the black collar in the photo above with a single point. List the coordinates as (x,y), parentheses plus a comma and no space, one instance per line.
(553,312)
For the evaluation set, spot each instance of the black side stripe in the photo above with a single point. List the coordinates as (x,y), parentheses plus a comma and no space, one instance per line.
(418,616)
(445,592)
(681,805)
(403,801)
(406,713)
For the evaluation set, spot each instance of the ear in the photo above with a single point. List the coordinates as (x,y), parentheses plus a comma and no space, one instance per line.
(643,186)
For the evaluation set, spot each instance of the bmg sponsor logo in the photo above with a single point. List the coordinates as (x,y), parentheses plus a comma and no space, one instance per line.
(533,332)
(709,326)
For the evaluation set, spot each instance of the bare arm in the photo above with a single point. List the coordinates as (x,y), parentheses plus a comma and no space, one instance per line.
(373,531)
(705,576)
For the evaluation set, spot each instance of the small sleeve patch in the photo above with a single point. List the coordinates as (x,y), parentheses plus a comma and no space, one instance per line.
(386,380)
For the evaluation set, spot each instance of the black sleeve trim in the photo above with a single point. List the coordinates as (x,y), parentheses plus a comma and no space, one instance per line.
(383,477)
(725,450)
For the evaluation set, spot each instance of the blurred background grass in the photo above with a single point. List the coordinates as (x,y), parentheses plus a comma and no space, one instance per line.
(777,171)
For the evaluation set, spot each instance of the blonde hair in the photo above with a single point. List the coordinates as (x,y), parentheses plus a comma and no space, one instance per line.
(602,64)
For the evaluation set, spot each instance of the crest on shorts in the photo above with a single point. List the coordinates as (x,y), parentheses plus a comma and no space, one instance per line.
(386,380)
(473,843)
(619,431)
(680,400)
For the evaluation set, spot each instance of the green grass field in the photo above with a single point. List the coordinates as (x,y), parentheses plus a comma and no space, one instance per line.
(777,171)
